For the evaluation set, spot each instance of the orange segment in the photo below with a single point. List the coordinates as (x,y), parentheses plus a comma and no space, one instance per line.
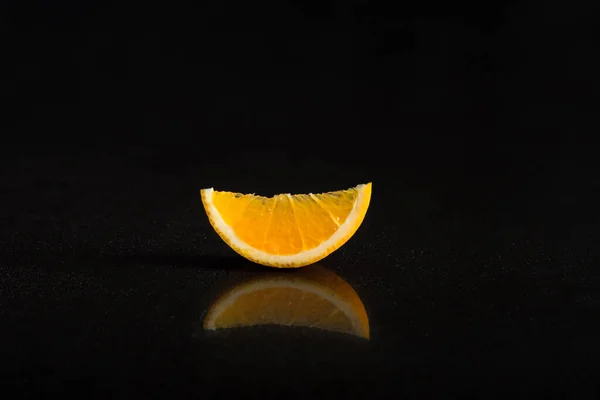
(313,297)
(287,230)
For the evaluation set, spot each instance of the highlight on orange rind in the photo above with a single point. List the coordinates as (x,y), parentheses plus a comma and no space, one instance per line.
(286,231)
(310,297)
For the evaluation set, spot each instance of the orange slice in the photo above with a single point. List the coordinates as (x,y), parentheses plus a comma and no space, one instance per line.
(286,230)
(312,297)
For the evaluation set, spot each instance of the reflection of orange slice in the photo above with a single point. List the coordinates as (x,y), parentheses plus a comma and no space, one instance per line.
(312,297)
(287,230)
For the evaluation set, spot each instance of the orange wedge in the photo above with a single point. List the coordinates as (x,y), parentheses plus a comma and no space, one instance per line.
(312,297)
(285,230)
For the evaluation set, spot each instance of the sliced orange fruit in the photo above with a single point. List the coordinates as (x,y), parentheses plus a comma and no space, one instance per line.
(311,297)
(287,230)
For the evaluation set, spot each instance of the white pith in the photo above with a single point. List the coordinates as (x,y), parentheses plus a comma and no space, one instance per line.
(305,256)
(231,297)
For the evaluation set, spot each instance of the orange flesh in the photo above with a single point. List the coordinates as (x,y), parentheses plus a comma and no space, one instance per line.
(284,224)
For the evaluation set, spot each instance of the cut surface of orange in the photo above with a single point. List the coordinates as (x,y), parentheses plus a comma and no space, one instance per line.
(310,297)
(286,230)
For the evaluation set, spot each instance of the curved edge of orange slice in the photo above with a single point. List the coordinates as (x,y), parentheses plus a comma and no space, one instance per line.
(307,257)
(315,280)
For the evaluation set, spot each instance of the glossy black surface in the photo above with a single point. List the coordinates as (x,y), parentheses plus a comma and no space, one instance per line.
(477,262)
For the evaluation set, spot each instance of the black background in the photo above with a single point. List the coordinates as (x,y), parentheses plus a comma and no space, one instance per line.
(477,262)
